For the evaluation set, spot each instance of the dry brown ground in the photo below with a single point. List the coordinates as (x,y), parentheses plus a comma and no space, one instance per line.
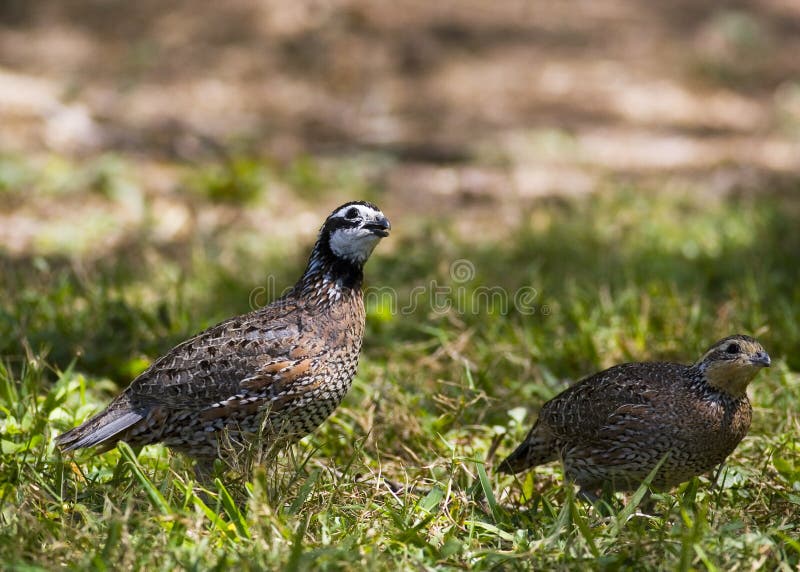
(480,106)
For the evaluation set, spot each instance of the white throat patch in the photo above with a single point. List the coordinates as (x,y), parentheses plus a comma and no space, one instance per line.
(353,244)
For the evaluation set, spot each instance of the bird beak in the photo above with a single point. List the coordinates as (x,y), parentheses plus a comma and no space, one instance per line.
(762,359)
(380,226)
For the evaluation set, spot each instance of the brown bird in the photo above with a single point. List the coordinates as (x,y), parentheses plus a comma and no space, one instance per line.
(611,429)
(277,372)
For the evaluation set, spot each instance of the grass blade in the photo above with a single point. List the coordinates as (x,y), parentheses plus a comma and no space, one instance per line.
(156,498)
(582,525)
(497,512)
(217,521)
(430,502)
(232,510)
(636,499)
(293,565)
(305,490)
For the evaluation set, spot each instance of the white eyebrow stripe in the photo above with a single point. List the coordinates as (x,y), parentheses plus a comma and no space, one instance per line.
(364,210)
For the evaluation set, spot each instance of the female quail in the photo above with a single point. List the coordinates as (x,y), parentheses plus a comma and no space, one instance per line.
(613,428)
(277,372)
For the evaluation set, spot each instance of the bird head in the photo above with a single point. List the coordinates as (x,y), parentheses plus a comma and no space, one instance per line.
(731,363)
(353,230)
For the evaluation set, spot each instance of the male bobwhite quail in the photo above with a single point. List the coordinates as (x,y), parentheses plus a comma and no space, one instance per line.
(613,428)
(278,372)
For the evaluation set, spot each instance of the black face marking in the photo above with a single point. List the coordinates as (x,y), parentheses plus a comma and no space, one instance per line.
(345,242)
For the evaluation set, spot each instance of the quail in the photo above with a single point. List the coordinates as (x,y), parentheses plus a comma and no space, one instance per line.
(277,372)
(610,430)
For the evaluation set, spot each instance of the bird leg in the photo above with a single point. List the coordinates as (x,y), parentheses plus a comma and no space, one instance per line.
(601,502)
(204,471)
(648,504)
(588,495)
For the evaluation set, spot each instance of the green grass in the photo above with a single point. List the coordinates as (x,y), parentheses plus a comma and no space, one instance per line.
(628,274)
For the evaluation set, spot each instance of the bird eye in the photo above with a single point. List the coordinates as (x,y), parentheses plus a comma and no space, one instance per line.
(733,348)
(352,213)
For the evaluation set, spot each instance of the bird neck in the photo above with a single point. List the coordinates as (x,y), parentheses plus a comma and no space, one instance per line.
(729,378)
(327,276)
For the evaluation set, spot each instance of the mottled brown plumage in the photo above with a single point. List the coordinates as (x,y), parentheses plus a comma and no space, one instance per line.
(612,429)
(277,372)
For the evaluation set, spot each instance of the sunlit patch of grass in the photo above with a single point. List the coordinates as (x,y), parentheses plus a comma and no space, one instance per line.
(237,180)
(399,477)
(15,176)
(55,176)
(314,178)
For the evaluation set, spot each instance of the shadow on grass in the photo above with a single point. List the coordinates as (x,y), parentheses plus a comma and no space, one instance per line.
(117,314)
(674,272)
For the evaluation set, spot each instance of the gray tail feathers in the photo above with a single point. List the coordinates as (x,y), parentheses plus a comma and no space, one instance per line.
(100,429)
(537,448)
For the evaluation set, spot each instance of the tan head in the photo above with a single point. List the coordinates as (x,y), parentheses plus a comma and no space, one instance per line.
(731,363)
